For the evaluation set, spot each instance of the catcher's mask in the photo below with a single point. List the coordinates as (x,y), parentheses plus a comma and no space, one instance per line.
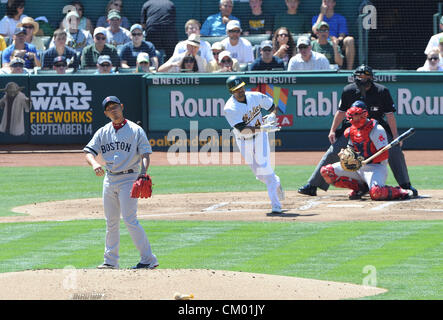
(234,82)
(363,82)
(357,108)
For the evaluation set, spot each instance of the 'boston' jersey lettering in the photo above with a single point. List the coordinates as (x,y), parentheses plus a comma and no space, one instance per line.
(116,146)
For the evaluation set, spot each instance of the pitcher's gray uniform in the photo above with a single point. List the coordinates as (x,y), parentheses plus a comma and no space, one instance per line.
(255,147)
(121,150)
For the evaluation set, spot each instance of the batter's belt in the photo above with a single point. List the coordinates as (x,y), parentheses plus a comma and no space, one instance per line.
(120,172)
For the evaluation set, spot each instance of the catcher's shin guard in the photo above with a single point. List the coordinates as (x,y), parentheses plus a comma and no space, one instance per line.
(388,193)
(331,177)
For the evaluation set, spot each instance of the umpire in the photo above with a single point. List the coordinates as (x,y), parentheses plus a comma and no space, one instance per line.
(380,103)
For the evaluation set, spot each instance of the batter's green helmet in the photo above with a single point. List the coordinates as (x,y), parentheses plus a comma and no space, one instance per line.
(234,82)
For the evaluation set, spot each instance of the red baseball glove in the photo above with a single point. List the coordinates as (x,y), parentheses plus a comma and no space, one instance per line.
(142,187)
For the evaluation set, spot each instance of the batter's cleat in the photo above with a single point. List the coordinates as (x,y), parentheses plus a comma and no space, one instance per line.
(280,193)
(276,210)
(145,266)
(106,266)
(308,190)
(356,195)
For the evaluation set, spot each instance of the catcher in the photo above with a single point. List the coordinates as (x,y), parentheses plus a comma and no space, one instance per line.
(366,137)
(125,149)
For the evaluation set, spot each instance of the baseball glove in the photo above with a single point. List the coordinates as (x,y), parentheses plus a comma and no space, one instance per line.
(270,123)
(142,187)
(350,160)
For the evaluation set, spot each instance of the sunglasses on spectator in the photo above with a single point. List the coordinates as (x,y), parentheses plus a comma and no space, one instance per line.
(434,58)
(100,38)
(302,46)
(188,61)
(137,34)
(144,62)
(28,27)
(267,49)
(234,31)
(105,65)
(284,35)
(323,30)
(59,65)
(17,65)
(226,61)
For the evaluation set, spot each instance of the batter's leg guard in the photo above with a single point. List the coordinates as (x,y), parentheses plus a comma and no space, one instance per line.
(388,193)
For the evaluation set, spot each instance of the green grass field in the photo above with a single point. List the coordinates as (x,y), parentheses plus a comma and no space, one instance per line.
(404,257)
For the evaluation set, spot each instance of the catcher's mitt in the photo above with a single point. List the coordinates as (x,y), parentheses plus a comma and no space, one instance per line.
(142,187)
(350,160)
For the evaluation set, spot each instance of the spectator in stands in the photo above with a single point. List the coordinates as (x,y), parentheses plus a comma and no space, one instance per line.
(59,64)
(14,15)
(31,30)
(60,49)
(188,64)
(337,30)
(158,20)
(215,25)
(256,21)
(131,50)
(240,48)
(226,62)
(45,29)
(434,41)
(116,35)
(192,47)
(214,65)
(432,61)
(267,61)
(193,26)
(143,63)
(330,48)
(307,59)
(19,48)
(297,22)
(91,53)
(284,45)
(84,23)
(77,39)
(104,65)
(17,66)
(113,5)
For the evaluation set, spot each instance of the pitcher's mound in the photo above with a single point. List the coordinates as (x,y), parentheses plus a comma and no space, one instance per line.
(163,284)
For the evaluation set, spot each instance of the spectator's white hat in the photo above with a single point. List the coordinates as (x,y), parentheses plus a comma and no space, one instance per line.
(72,14)
(193,40)
(136,26)
(224,54)
(233,24)
(100,30)
(29,20)
(104,58)
(114,14)
(303,40)
(266,44)
(143,57)
(17,61)
(217,46)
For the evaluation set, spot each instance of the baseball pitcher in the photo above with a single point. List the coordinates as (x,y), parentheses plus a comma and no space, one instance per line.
(125,149)
(243,113)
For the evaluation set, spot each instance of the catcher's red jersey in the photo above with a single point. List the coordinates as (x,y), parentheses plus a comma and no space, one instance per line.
(368,139)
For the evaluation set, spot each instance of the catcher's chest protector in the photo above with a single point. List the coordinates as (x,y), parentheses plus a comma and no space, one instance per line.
(362,143)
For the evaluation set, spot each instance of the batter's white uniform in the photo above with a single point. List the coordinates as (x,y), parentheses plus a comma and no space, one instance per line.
(254,148)
(371,174)
(121,150)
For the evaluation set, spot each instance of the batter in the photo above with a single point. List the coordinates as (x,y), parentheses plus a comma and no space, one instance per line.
(243,113)
(366,136)
(126,150)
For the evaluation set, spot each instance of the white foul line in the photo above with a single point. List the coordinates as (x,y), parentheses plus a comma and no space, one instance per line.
(215,206)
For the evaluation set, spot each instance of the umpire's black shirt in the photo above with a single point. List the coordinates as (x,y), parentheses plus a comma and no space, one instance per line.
(378,99)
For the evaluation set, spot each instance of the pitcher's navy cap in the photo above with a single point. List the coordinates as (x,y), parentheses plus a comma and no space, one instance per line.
(109,99)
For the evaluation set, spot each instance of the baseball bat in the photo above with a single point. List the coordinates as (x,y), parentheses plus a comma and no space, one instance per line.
(393,143)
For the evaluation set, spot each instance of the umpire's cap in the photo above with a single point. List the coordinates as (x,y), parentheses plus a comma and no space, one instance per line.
(110,99)
(364,69)
(234,82)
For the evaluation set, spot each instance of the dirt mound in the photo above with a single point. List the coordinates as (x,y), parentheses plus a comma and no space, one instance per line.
(162,284)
